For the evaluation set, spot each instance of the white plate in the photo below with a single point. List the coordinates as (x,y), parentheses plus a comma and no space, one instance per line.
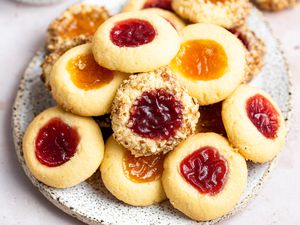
(90,201)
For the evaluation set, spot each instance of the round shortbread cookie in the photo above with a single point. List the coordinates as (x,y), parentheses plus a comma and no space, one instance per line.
(254,124)
(275,5)
(204,177)
(61,149)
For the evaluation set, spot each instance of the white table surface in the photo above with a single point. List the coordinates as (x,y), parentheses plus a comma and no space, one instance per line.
(22,33)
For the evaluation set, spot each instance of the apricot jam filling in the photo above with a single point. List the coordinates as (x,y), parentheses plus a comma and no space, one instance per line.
(219,1)
(143,169)
(87,74)
(201,60)
(56,143)
(163,4)
(156,114)
(263,115)
(206,170)
(211,119)
(132,33)
(82,23)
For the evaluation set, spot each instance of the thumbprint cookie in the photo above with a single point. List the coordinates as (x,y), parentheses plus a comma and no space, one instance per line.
(136,5)
(133,180)
(204,177)
(78,83)
(61,149)
(211,119)
(254,124)
(225,13)
(173,19)
(210,63)
(152,113)
(275,5)
(132,42)
(255,50)
(78,23)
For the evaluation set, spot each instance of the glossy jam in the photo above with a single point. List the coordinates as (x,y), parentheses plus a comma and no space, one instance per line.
(82,24)
(156,114)
(56,143)
(201,60)
(241,37)
(218,1)
(263,115)
(132,33)
(86,73)
(143,169)
(211,119)
(206,170)
(163,4)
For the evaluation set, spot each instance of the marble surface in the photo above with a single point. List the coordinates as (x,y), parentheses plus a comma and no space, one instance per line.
(22,34)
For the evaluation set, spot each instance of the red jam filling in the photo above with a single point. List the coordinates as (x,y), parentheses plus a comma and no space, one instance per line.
(156,114)
(211,119)
(263,115)
(163,4)
(132,33)
(56,143)
(241,37)
(206,170)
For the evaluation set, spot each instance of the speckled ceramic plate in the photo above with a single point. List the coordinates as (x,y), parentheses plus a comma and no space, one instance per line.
(90,201)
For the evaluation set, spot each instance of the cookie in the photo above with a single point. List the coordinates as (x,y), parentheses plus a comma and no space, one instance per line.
(174,20)
(204,177)
(275,5)
(135,5)
(211,62)
(152,113)
(135,181)
(225,13)
(78,23)
(61,149)
(255,50)
(81,86)
(132,42)
(254,124)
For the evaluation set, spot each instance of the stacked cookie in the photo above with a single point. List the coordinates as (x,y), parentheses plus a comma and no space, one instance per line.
(151,73)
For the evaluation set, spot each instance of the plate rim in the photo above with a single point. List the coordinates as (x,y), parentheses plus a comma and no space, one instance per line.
(17,140)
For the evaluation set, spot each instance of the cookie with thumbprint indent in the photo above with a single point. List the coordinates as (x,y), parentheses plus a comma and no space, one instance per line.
(173,19)
(225,13)
(61,149)
(152,113)
(254,124)
(211,62)
(132,42)
(78,23)
(204,177)
(133,180)
(255,50)
(135,5)
(275,5)
(81,86)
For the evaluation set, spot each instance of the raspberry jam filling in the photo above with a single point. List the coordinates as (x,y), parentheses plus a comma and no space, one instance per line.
(156,114)
(263,115)
(163,4)
(56,143)
(211,119)
(87,74)
(201,60)
(132,33)
(143,169)
(206,170)
(82,24)
(241,37)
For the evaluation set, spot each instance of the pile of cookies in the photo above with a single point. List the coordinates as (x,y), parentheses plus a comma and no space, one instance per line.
(169,78)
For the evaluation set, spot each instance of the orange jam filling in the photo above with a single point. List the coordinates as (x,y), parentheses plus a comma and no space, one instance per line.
(201,60)
(216,1)
(143,169)
(82,23)
(87,74)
